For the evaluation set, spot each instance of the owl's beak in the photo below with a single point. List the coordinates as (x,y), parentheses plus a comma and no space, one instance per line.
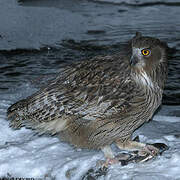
(133,60)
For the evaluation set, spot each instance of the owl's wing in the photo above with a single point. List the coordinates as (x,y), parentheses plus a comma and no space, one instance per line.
(88,90)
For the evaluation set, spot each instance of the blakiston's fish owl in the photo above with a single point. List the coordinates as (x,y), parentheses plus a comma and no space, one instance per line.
(97,102)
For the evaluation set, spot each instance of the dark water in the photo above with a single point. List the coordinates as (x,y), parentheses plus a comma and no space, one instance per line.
(97,28)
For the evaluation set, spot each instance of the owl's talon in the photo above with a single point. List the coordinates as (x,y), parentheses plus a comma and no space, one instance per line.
(148,149)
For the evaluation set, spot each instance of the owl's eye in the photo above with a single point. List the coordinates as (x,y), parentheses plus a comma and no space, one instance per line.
(145,52)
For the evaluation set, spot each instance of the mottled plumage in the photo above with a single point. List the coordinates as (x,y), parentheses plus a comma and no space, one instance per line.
(99,101)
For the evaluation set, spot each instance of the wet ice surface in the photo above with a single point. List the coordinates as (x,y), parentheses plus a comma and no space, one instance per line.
(25,154)
(46,34)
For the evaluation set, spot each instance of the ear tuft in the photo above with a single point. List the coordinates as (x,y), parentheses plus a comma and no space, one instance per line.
(137,36)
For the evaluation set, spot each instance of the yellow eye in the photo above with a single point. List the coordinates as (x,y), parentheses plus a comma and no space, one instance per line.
(145,52)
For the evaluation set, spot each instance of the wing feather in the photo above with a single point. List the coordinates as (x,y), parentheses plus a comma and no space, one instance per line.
(91,89)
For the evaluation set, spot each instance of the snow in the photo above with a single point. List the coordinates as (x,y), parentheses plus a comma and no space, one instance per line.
(25,154)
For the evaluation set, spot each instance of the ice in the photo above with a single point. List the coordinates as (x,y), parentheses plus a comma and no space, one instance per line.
(25,154)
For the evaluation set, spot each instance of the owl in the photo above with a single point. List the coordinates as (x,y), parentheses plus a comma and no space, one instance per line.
(97,102)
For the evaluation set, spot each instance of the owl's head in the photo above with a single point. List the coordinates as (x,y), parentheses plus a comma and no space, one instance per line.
(147,52)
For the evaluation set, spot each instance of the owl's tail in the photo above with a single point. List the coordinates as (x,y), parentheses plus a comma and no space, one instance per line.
(15,112)
(19,116)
